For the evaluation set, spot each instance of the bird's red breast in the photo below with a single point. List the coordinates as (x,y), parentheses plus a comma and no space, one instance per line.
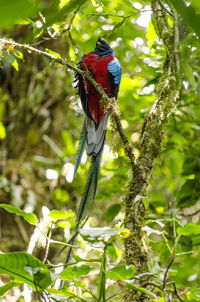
(99,68)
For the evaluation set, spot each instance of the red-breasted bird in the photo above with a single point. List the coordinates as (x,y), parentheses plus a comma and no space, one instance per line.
(106,70)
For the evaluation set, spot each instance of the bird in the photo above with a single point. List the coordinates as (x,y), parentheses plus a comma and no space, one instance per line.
(106,71)
(105,68)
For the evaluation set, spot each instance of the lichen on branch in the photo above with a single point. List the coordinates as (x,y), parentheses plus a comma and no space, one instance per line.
(167,93)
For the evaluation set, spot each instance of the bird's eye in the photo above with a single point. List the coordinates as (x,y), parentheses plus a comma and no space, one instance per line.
(98,43)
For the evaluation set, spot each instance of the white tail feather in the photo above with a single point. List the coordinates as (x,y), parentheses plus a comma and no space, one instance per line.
(96,137)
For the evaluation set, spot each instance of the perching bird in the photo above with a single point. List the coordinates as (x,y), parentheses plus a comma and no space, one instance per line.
(106,70)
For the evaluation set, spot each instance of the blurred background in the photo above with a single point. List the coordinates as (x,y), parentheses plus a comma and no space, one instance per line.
(41,120)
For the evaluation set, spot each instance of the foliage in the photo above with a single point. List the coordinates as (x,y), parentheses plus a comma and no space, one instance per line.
(40,123)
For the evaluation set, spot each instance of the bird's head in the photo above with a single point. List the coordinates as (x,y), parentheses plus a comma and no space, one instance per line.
(103,48)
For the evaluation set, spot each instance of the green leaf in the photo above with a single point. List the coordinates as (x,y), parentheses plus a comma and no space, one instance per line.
(72,272)
(112,251)
(140,289)
(29,217)
(15,65)
(18,54)
(12,11)
(64,292)
(150,35)
(112,211)
(2,131)
(79,259)
(188,72)
(25,268)
(121,272)
(189,193)
(37,32)
(188,13)
(6,287)
(189,229)
(69,7)
(61,214)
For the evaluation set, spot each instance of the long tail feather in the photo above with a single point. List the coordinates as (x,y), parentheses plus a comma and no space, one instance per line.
(81,147)
(90,188)
(88,198)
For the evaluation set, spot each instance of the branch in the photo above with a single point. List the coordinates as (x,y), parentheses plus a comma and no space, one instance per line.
(175,290)
(108,103)
(48,240)
(137,252)
(166,272)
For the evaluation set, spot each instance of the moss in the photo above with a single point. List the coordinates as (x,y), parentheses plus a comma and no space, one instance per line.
(151,145)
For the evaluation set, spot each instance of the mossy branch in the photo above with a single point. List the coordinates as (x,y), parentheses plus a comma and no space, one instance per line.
(137,252)
(108,103)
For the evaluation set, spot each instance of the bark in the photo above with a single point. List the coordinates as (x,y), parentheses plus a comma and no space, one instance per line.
(136,249)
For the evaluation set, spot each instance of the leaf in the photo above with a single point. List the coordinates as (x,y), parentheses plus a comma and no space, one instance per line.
(6,287)
(61,214)
(12,11)
(112,251)
(79,259)
(69,7)
(25,268)
(140,289)
(121,272)
(57,12)
(15,65)
(29,217)
(150,35)
(188,72)
(112,211)
(37,32)
(189,229)
(2,131)
(72,272)
(188,193)
(188,13)
(64,292)
(93,233)
(18,54)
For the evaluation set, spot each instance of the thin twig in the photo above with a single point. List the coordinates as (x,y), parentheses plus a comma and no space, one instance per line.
(48,241)
(120,16)
(175,289)
(166,272)
(127,146)
(70,24)
(154,284)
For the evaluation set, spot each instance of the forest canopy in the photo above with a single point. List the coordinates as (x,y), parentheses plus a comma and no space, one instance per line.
(142,239)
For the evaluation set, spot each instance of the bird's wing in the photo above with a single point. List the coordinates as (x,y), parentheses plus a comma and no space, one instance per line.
(115,71)
(82,91)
